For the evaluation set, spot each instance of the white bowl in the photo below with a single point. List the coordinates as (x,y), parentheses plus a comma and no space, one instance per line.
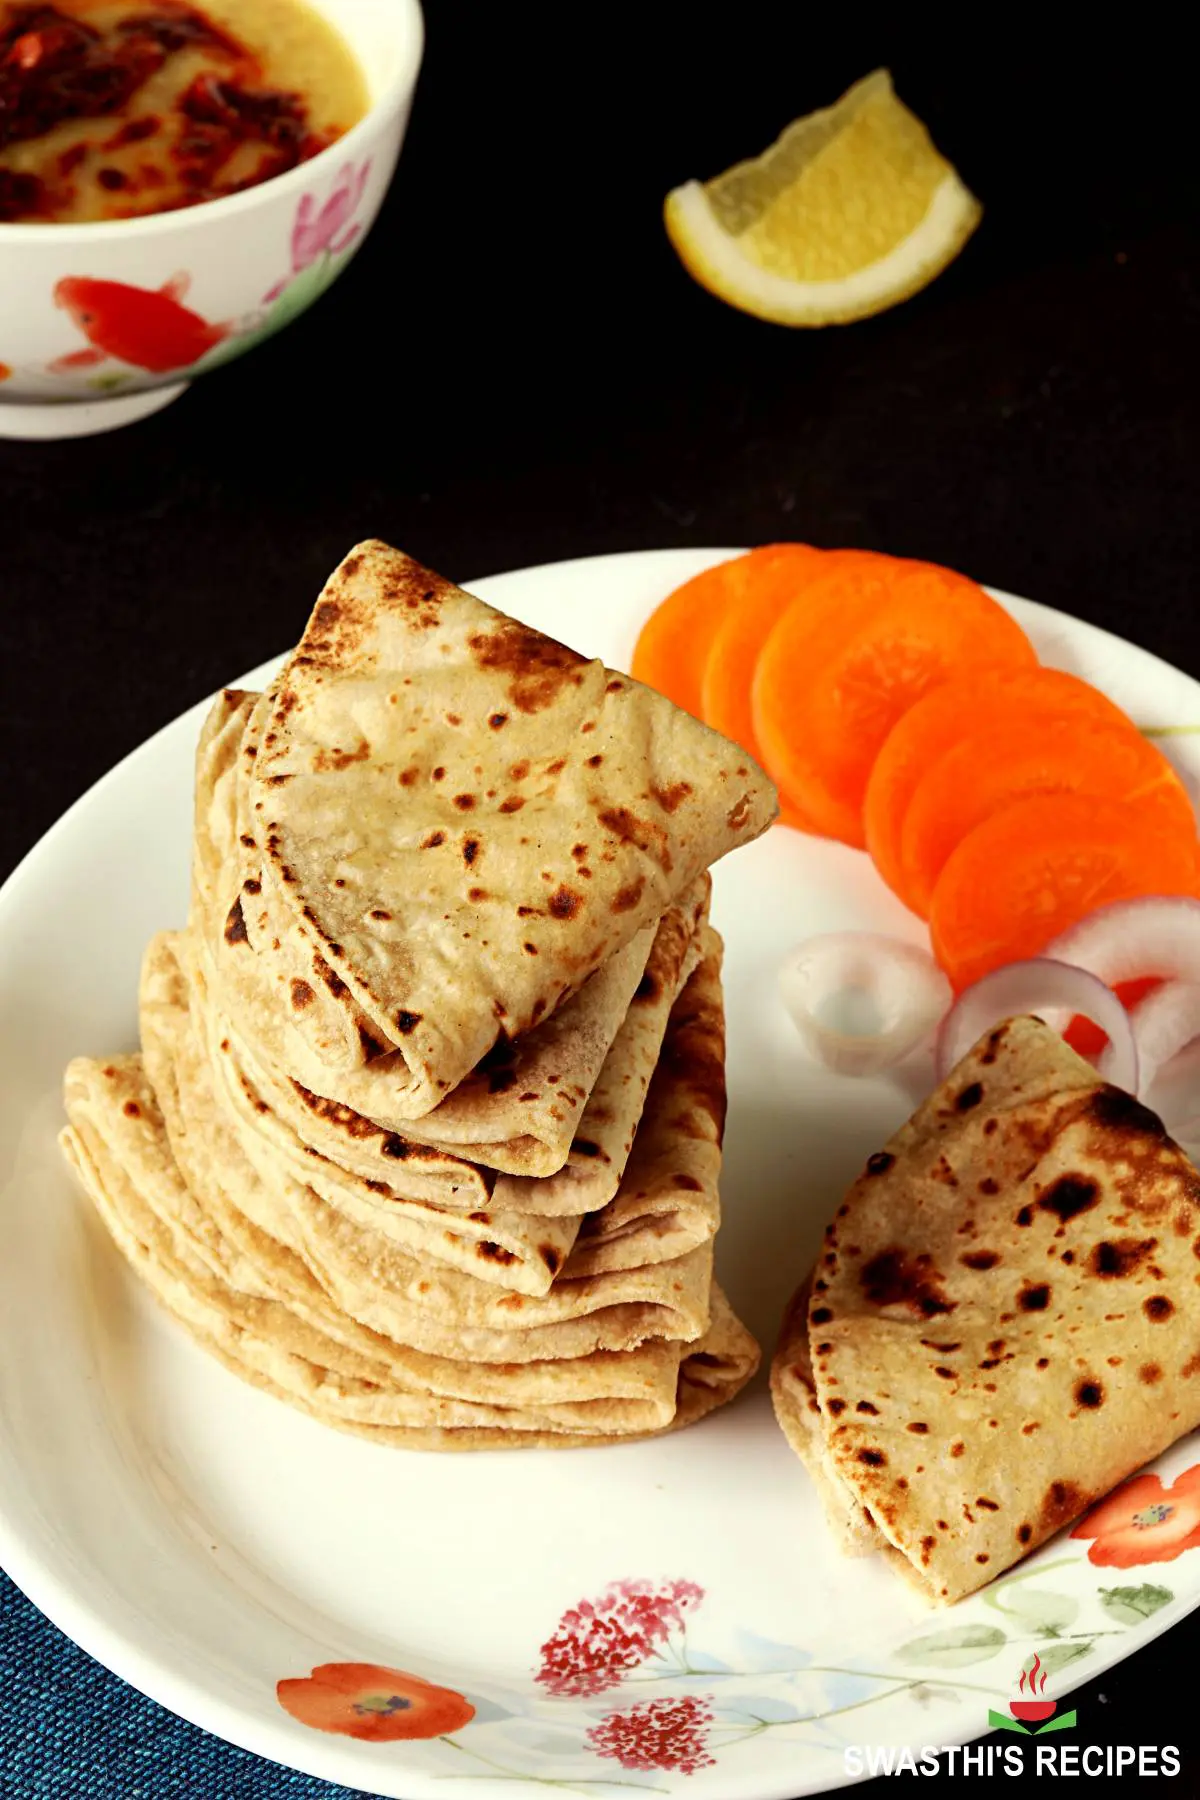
(215,279)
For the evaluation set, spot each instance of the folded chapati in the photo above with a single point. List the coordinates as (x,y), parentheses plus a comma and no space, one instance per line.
(519,1111)
(274,1325)
(429,1304)
(215,1128)
(1000,1328)
(467,820)
(667,1205)
(668,1199)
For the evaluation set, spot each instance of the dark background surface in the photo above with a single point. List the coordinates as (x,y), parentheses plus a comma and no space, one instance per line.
(516,369)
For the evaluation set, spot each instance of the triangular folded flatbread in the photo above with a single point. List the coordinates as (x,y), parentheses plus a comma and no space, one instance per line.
(1001,1326)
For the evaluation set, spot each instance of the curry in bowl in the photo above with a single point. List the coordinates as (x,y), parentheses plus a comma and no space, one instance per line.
(110,109)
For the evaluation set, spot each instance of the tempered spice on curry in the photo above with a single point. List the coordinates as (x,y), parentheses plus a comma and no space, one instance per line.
(114,108)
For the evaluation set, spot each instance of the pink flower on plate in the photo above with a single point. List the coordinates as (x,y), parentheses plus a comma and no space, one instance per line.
(328,229)
(658,1734)
(598,1642)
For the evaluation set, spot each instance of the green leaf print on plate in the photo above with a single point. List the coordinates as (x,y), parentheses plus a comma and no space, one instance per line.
(1130,1605)
(956,1648)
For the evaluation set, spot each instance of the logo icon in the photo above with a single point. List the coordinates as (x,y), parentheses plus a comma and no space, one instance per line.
(1031,1713)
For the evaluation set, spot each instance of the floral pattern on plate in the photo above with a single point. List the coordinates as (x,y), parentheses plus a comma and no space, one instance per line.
(636,1632)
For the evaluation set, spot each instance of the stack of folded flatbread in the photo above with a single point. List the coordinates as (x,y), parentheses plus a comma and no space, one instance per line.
(425,1132)
(1001,1326)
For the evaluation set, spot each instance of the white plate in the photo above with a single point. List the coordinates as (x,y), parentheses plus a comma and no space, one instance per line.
(205,1541)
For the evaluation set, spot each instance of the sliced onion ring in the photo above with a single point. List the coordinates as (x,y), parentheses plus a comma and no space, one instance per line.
(1054,991)
(903,986)
(1164,1023)
(1158,935)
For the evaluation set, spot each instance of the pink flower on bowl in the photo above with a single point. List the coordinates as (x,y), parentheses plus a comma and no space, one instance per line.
(327,230)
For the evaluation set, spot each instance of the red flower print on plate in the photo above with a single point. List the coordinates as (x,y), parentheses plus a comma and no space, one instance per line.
(658,1734)
(598,1642)
(363,1700)
(1144,1522)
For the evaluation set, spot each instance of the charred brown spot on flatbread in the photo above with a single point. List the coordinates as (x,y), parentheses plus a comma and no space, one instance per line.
(537,667)
(1158,1308)
(1068,1196)
(880,1162)
(645,835)
(969,1097)
(893,1278)
(336,758)
(301,994)
(407,1022)
(332,980)
(1117,1258)
(496,1253)
(627,897)
(1113,1108)
(235,925)
(1089,1394)
(979,1259)
(1034,1296)
(1062,1500)
(564,903)
(672,797)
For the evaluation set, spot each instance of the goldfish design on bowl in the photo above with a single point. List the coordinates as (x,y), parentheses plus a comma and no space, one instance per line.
(151,329)
(148,329)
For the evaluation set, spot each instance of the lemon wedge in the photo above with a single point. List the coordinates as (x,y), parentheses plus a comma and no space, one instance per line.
(851,210)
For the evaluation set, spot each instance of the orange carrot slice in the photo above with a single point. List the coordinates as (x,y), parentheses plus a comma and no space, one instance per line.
(831,682)
(673,644)
(960,707)
(1013,759)
(1043,864)
(779,578)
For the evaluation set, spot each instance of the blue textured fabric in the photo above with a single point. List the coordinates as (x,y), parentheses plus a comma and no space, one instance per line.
(71,1731)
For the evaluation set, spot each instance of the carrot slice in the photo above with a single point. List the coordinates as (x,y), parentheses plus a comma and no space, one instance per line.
(781,577)
(1013,759)
(1042,864)
(673,644)
(833,679)
(961,706)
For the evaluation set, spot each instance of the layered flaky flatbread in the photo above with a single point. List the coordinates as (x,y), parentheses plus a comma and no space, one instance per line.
(266,1316)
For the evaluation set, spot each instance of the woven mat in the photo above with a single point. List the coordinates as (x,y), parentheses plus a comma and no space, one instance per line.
(71,1731)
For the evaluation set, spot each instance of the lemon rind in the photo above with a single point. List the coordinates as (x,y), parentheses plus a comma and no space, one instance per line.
(717,262)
